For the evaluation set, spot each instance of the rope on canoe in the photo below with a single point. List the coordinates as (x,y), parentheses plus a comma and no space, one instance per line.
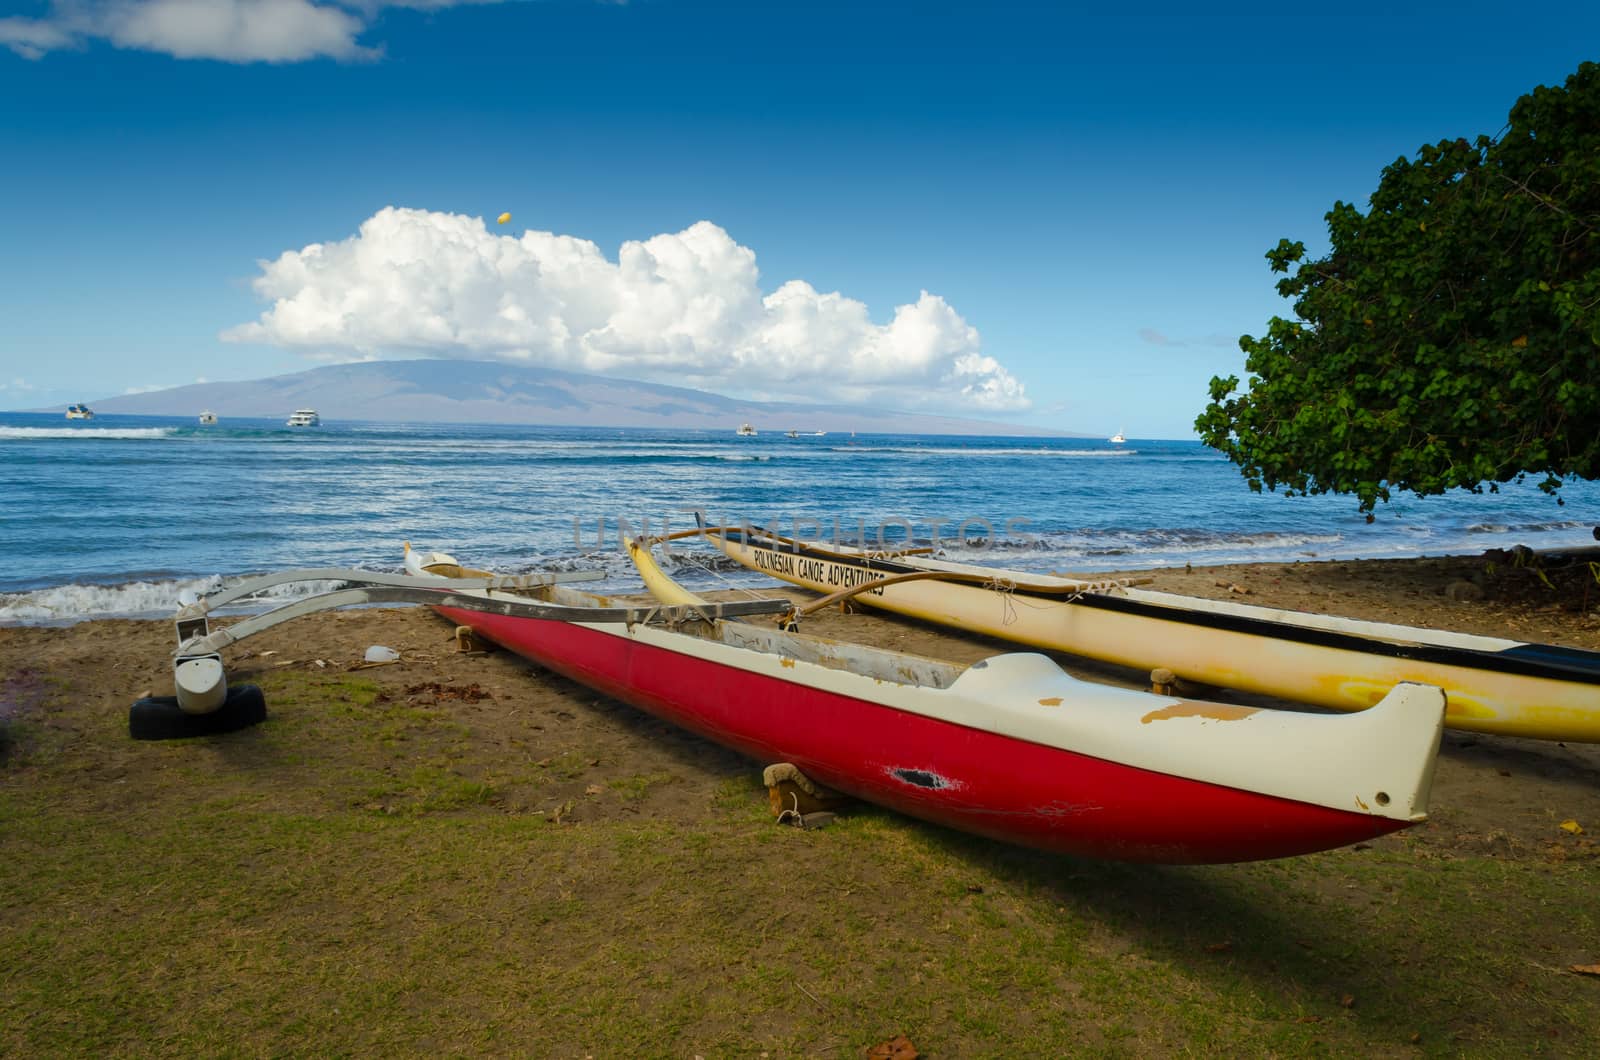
(1007,588)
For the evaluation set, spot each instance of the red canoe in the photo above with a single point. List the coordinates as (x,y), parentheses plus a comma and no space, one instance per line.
(1012,748)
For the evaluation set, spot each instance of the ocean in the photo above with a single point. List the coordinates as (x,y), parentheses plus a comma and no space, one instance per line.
(116,517)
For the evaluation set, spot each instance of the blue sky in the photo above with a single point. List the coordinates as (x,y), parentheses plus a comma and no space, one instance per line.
(1085,198)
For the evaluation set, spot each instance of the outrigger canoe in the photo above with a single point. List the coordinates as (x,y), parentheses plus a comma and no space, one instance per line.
(1012,747)
(1493,686)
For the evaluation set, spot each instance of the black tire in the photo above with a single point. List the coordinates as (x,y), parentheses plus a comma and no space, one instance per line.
(160,717)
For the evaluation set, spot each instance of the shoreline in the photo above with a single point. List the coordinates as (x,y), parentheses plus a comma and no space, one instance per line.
(1300,583)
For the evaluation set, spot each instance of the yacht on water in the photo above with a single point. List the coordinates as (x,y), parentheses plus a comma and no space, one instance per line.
(79,412)
(305,418)
(745,431)
(208,418)
(1117,438)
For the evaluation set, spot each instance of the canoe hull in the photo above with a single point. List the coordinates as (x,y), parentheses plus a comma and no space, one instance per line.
(956,775)
(1322,667)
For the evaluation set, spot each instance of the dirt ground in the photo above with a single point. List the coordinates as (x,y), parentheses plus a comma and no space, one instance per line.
(1498,795)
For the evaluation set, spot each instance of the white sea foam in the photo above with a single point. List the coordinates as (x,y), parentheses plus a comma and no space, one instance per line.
(982,451)
(91,433)
(64,605)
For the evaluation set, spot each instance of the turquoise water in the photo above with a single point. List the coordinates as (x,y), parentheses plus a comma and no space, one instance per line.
(118,515)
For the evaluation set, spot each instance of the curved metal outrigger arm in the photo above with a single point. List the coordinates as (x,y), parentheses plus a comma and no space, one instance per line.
(507,582)
(202,684)
(431,593)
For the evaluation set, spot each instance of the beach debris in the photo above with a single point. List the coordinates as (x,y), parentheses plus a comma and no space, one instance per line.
(594,789)
(380,653)
(1572,826)
(1233,588)
(502,219)
(465,693)
(897,1048)
(1585,969)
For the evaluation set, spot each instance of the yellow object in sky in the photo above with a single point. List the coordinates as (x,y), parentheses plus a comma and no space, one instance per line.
(503,218)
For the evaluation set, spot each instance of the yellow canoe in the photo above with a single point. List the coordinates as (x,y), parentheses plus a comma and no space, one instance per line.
(1505,687)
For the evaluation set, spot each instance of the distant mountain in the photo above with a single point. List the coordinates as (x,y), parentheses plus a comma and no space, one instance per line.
(438,391)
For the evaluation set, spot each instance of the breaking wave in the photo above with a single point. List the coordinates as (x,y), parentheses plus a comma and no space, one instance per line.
(63,605)
(979,451)
(1525,528)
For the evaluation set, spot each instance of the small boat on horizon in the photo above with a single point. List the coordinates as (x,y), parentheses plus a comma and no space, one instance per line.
(745,431)
(208,418)
(1117,439)
(79,412)
(305,418)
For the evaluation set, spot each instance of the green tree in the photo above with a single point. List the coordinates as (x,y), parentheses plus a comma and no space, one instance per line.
(1449,338)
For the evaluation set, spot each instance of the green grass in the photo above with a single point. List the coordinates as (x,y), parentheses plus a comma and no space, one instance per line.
(346,880)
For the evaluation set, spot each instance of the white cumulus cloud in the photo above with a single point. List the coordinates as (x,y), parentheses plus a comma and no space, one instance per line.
(236,31)
(684,307)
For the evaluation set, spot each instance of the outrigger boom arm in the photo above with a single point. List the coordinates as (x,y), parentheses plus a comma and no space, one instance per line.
(437,597)
(508,582)
(197,663)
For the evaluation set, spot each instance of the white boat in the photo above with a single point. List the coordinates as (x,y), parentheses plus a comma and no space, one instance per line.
(79,412)
(305,418)
(208,418)
(1117,439)
(745,431)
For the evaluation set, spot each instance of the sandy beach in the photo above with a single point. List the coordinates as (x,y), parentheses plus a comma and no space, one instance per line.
(544,748)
